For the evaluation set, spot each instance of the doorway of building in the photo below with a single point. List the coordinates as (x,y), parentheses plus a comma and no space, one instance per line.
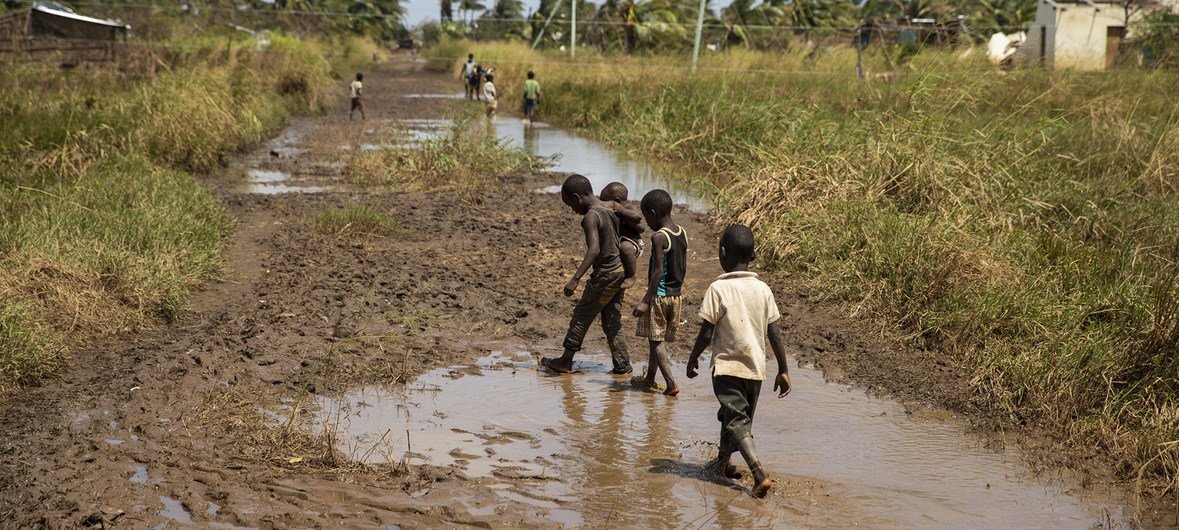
(1113,41)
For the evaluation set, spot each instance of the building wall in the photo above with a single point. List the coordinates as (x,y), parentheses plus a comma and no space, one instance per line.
(1076,35)
(1081,35)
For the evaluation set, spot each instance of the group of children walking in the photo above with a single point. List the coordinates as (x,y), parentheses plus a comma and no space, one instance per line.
(479,84)
(738,312)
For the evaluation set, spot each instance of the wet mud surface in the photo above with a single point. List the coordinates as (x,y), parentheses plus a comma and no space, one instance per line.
(346,381)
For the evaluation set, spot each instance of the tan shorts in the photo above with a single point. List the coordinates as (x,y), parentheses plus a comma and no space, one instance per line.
(662,319)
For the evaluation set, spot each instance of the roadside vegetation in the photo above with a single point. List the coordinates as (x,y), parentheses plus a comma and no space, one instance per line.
(1022,224)
(466,158)
(103,227)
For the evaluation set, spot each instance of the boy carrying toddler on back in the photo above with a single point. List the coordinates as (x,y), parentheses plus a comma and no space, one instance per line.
(739,313)
(604,292)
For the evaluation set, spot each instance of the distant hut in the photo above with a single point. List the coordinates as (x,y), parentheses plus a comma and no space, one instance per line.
(50,31)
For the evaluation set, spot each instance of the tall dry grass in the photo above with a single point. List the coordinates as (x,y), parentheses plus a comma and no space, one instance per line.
(102,228)
(1023,224)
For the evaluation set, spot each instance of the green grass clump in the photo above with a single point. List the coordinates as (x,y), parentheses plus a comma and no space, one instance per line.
(1024,224)
(353,220)
(102,227)
(469,160)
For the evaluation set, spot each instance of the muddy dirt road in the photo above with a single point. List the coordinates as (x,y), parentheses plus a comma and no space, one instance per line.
(390,381)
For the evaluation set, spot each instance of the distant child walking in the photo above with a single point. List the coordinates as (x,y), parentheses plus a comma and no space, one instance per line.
(603,293)
(531,97)
(355,90)
(739,314)
(630,229)
(489,96)
(659,310)
(466,74)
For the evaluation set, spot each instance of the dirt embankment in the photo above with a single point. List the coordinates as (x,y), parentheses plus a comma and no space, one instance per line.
(173,421)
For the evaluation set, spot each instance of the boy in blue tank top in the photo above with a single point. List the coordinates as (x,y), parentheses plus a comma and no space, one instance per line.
(659,310)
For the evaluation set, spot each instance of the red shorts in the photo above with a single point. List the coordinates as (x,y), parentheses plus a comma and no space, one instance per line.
(357,104)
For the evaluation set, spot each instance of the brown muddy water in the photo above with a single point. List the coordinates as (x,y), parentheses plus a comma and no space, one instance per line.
(592,450)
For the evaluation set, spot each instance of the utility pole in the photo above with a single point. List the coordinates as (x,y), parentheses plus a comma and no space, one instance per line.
(860,52)
(699,32)
(573,33)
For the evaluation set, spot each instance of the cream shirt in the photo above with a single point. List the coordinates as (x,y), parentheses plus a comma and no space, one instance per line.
(354,88)
(740,306)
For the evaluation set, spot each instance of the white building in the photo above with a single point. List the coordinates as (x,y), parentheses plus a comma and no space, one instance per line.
(1078,34)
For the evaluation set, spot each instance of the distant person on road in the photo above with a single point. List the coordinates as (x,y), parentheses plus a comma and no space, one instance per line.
(489,96)
(739,314)
(469,70)
(630,229)
(659,310)
(603,293)
(531,97)
(355,90)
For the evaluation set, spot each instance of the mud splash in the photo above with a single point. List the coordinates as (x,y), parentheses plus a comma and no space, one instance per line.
(590,449)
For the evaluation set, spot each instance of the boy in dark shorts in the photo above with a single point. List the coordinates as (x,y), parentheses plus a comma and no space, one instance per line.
(630,229)
(355,90)
(603,293)
(739,314)
(659,310)
(531,98)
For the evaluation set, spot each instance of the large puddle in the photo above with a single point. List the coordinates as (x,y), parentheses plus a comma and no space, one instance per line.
(575,154)
(590,449)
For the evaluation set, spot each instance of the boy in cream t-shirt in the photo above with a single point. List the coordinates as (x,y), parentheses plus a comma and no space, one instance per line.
(739,316)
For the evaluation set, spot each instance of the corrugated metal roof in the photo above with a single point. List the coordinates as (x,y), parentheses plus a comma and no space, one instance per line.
(75,16)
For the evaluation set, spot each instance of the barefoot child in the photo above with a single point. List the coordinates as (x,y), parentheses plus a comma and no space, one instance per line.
(739,314)
(630,227)
(355,90)
(659,310)
(603,293)
(465,76)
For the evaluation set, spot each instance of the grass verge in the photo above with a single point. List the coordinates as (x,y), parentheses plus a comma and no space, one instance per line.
(102,226)
(1023,224)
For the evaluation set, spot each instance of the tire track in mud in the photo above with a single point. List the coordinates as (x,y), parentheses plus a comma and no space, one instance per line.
(199,414)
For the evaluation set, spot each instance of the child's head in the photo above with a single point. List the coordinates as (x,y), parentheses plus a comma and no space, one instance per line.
(470,57)
(736,247)
(615,191)
(490,78)
(576,193)
(656,205)
(531,75)
(359,76)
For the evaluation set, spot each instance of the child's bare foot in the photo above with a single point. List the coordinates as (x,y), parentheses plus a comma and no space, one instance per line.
(761,482)
(671,392)
(627,283)
(761,489)
(556,365)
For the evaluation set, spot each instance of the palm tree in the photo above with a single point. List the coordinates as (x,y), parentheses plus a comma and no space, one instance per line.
(467,9)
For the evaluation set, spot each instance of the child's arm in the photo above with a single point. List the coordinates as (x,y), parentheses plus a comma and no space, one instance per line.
(782,381)
(627,212)
(658,247)
(703,339)
(589,224)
